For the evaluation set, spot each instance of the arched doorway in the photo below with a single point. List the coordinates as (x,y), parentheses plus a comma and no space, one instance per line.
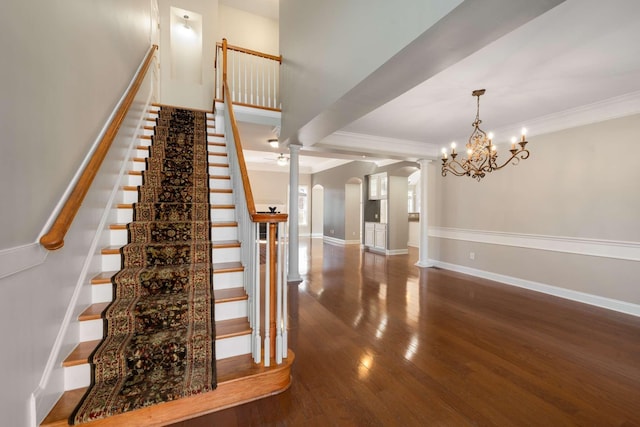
(353,211)
(317,211)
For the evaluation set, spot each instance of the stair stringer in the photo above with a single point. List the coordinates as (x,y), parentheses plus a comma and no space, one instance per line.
(99,209)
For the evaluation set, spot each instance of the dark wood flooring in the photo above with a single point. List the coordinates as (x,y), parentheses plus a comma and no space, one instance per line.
(379,342)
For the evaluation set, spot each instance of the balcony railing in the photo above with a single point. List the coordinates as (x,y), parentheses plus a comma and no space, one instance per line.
(253,77)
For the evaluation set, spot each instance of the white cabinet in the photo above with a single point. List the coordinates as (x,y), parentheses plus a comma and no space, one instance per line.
(375,236)
(378,186)
(380,239)
(369,234)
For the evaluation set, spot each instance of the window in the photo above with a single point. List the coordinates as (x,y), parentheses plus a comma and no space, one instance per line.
(303,204)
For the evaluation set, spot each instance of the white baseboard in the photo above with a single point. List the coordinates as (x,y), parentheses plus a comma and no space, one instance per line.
(333,241)
(595,300)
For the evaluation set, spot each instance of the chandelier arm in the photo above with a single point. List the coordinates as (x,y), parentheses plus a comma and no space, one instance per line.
(515,158)
(454,167)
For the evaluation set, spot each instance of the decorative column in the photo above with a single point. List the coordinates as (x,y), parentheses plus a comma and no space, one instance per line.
(294,271)
(423,258)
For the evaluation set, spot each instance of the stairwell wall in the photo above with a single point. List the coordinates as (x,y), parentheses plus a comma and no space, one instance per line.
(64,72)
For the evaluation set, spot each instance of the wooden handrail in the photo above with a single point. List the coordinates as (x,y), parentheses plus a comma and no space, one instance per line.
(251,52)
(54,239)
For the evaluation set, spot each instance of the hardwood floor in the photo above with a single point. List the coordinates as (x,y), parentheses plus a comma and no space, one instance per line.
(380,343)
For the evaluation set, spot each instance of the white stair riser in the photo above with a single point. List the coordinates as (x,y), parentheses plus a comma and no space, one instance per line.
(228,280)
(131,196)
(104,292)
(145,142)
(223,214)
(220,184)
(216,148)
(231,310)
(219,170)
(219,234)
(211,122)
(94,329)
(226,255)
(77,376)
(138,166)
(80,375)
(141,153)
(234,346)
(91,330)
(221,199)
(148,132)
(136,180)
(125,215)
(119,237)
(113,262)
(101,293)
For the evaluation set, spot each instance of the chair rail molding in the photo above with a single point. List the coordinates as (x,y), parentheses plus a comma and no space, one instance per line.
(625,250)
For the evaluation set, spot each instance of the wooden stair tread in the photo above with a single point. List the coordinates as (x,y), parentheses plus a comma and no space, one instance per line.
(225,244)
(213,224)
(115,250)
(224,329)
(219,177)
(213,153)
(81,353)
(227,267)
(224,224)
(239,381)
(223,206)
(218,267)
(210,164)
(93,312)
(103,278)
(211,190)
(229,295)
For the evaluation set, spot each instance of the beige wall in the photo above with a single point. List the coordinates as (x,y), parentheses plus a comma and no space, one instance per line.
(68,66)
(192,88)
(580,186)
(247,30)
(272,189)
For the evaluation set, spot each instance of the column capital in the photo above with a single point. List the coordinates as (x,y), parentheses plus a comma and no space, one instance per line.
(424,162)
(295,147)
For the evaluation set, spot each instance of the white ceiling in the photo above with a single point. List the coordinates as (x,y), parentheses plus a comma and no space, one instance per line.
(575,64)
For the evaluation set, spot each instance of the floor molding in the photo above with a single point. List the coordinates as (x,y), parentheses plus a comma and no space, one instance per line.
(595,300)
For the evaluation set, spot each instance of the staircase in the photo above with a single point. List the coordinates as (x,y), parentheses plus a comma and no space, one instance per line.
(239,379)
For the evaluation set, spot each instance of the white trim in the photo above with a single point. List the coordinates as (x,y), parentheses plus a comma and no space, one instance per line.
(352,242)
(625,250)
(397,251)
(317,236)
(595,300)
(334,241)
(20,258)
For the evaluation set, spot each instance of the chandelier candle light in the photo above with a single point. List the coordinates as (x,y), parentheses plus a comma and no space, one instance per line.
(482,154)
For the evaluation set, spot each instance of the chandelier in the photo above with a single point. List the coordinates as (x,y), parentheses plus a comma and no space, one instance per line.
(482,155)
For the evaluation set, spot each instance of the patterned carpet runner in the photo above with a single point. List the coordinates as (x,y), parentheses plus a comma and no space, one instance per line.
(159,330)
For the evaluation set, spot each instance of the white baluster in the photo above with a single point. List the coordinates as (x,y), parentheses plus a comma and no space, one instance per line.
(279,299)
(256,290)
(263,103)
(285,306)
(267,298)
